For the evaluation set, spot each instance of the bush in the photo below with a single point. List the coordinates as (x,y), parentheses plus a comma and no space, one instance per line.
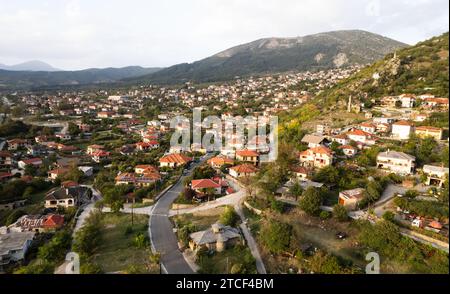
(389,216)
(229,217)
(325,215)
(276,236)
(340,213)
(311,201)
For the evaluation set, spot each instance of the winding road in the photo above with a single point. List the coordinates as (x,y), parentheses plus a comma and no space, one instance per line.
(162,237)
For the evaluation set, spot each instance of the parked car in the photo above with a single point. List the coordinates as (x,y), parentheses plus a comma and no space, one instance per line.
(341,235)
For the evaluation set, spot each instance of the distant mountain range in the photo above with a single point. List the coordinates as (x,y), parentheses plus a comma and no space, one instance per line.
(33,65)
(313,52)
(270,55)
(42,79)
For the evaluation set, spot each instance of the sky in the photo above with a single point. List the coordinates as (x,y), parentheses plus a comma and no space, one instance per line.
(78,34)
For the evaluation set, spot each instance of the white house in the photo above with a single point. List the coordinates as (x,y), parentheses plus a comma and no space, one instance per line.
(397,162)
(14,246)
(402,130)
(436,175)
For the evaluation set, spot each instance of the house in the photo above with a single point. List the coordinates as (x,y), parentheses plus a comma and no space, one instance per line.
(301,172)
(37,223)
(6,159)
(361,136)
(313,140)
(397,162)
(36,162)
(105,114)
(55,173)
(91,149)
(350,198)
(138,180)
(433,132)
(407,100)
(219,161)
(145,169)
(87,171)
(383,128)
(203,185)
(247,156)
(243,170)
(99,156)
(341,139)
(217,238)
(317,157)
(323,129)
(348,150)
(440,103)
(15,144)
(174,160)
(63,137)
(146,145)
(65,196)
(368,127)
(402,130)
(11,204)
(14,246)
(436,175)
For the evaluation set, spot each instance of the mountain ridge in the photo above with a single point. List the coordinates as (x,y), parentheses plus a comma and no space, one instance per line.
(267,55)
(31,65)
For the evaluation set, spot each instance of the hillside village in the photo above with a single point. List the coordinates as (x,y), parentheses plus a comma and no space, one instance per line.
(80,166)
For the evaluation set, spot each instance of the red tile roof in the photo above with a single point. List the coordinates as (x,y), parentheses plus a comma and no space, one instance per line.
(247,153)
(175,158)
(204,184)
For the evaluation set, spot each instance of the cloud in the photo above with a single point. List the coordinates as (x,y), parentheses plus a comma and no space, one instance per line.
(74,34)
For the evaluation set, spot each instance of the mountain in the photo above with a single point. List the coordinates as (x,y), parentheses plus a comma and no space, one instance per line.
(33,65)
(420,69)
(313,52)
(39,79)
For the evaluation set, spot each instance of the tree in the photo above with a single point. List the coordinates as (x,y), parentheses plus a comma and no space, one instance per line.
(229,217)
(323,263)
(311,201)
(340,213)
(55,249)
(296,190)
(389,216)
(73,129)
(276,236)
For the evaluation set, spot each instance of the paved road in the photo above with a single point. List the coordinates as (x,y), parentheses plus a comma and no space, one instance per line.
(231,200)
(161,233)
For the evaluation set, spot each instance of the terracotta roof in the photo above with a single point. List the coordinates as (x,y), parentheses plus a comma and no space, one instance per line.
(247,153)
(403,123)
(220,160)
(245,169)
(428,128)
(175,158)
(53,221)
(204,184)
(357,132)
(347,147)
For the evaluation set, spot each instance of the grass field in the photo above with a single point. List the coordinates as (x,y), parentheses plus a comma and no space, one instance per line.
(117,252)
